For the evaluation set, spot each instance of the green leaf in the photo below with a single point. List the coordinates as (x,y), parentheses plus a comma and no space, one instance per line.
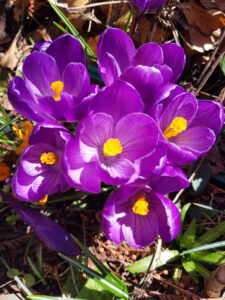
(142,265)
(177,274)
(188,238)
(92,290)
(205,247)
(214,258)
(29,279)
(202,270)
(212,234)
(184,210)
(201,179)
(36,271)
(222,65)
(190,267)
(209,208)
(43,297)
(13,272)
(104,281)
(72,29)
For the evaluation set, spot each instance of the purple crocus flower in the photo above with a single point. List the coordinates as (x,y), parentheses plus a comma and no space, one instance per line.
(39,171)
(188,126)
(110,141)
(137,215)
(147,5)
(55,84)
(157,172)
(155,63)
(53,235)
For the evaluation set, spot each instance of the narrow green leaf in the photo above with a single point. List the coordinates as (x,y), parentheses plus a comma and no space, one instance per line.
(212,234)
(110,276)
(142,265)
(64,30)
(205,247)
(9,123)
(128,21)
(190,267)
(35,270)
(72,29)
(202,270)
(184,210)
(188,238)
(214,258)
(43,297)
(222,65)
(209,208)
(113,288)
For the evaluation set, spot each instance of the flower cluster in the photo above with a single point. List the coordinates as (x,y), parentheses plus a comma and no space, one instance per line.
(133,133)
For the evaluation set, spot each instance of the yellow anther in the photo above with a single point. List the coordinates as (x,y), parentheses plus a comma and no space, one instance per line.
(4,171)
(141,206)
(49,158)
(57,87)
(44,200)
(112,147)
(178,125)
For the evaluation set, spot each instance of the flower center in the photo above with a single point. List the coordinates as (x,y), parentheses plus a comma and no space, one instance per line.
(112,147)
(178,125)
(49,158)
(57,87)
(141,206)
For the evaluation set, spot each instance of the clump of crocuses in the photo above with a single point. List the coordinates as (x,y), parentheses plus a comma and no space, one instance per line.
(134,133)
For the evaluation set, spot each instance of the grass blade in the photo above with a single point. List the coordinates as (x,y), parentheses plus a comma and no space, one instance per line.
(205,247)
(72,29)
(97,277)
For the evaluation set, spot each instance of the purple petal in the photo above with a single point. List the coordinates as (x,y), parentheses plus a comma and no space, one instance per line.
(140,231)
(115,52)
(171,180)
(148,55)
(168,217)
(195,139)
(209,114)
(76,80)
(116,173)
(174,57)
(53,235)
(117,100)
(66,49)
(39,71)
(138,135)
(23,101)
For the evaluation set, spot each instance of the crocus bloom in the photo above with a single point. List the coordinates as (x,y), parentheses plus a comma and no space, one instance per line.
(4,171)
(53,235)
(117,54)
(188,126)
(39,171)
(110,141)
(162,176)
(147,5)
(137,215)
(55,85)
(23,134)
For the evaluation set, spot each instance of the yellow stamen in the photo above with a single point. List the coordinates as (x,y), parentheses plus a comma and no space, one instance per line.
(141,206)
(23,134)
(49,158)
(112,147)
(178,125)
(57,87)
(44,200)
(4,171)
